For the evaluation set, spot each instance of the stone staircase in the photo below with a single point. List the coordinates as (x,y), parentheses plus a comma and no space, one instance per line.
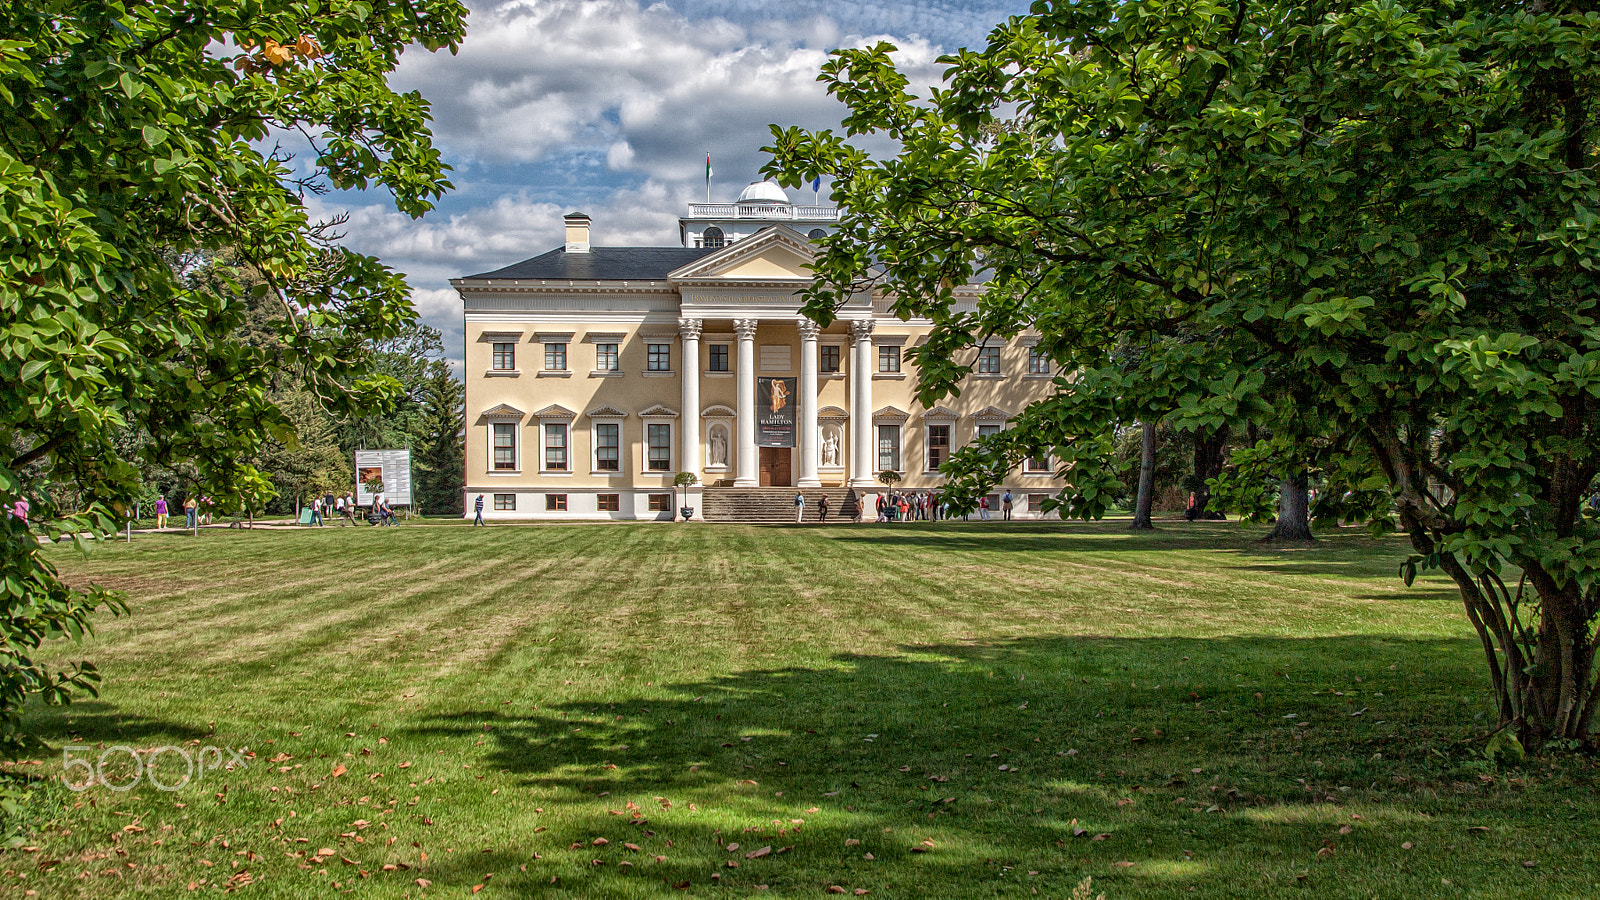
(774,505)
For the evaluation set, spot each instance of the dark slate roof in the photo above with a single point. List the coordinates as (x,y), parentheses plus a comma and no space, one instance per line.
(601,264)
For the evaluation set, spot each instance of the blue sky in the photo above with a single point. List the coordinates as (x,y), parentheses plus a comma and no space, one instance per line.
(609,107)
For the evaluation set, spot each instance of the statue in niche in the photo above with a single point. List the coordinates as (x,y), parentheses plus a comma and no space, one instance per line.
(719,445)
(830,446)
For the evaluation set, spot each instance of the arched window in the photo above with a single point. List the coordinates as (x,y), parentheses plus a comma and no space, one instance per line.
(817,233)
(712,237)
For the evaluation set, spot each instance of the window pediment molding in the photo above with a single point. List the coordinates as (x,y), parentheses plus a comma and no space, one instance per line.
(553,337)
(890,414)
(605,337)
(832,414)
(504,412)
(499,337)
(607,412)
(941,414)
(991,414)
(555,411)
(717,411)
(658,411)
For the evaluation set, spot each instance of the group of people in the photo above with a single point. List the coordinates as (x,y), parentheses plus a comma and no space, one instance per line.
(195,511)
(344,508)
(913,506)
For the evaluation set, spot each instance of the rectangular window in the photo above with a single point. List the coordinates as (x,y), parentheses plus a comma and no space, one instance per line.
(555,357)
(888,447)
(658,443)
(888,359)
(1038,363)
(555,448)
(830,358)
(989,360)
(503,502)
(986,430)
(505,357)
(608,447)
(938,445)
(661,503)
(605,357)
(1036,464)
(660,358)
(608,502)
(555,502)
(505,446)
(1036,502)
(719,358)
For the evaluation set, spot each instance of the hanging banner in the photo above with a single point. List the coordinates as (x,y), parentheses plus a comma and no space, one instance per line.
(775,405)
(392,467)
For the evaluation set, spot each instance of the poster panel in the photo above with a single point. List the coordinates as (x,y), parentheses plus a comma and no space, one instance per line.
(392,467)
(776,401)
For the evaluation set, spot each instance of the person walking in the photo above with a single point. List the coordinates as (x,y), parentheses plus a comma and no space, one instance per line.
(316,511)
(1005,505)
(161,513)
(983,507)
(799,506)
(822,508)
(338,508)
(189,510)
(477,512)
(349,508)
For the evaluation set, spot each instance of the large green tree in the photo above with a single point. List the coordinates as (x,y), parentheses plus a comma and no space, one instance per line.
(134,143)
(1374,221)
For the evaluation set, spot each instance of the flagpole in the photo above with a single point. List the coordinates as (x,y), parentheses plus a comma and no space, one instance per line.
(708,176)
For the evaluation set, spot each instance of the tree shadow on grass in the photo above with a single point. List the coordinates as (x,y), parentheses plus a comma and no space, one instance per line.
(1008,757)
(96,722)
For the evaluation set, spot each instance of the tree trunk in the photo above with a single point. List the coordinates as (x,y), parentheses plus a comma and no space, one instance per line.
(1209,458)
(1147,476)
(1294,511)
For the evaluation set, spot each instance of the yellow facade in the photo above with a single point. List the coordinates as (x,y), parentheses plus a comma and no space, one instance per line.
(584,377)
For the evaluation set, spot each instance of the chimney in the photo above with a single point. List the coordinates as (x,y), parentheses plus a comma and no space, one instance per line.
(577,232)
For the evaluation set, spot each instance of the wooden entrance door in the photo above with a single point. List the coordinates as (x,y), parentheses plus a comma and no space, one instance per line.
(774,466)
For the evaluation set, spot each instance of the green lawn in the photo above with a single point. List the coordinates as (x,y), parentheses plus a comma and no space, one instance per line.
(912,711)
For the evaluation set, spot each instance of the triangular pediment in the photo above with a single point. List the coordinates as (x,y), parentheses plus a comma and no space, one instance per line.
(555,411)
(941,412)
(891,413)
(776,253)
(992,412)
(607,412)
(658,411)
(503,411)
(832,412)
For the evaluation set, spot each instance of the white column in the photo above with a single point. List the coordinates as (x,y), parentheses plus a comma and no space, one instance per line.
(810,444)
(689,331)
(746,459)
(861,443)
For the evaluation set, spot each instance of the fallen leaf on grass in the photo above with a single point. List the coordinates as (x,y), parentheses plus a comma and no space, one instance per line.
(1123,864)
(338,770)
(757,854)
(423,882)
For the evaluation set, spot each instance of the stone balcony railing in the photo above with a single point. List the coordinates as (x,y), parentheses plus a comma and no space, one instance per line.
(761,211)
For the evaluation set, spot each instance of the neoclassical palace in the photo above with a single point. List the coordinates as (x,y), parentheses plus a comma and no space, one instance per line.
(595,374)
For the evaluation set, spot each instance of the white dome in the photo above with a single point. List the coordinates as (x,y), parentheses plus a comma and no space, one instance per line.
(763,192)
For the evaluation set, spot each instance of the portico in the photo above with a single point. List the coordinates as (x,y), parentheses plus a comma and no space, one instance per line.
(751,289)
